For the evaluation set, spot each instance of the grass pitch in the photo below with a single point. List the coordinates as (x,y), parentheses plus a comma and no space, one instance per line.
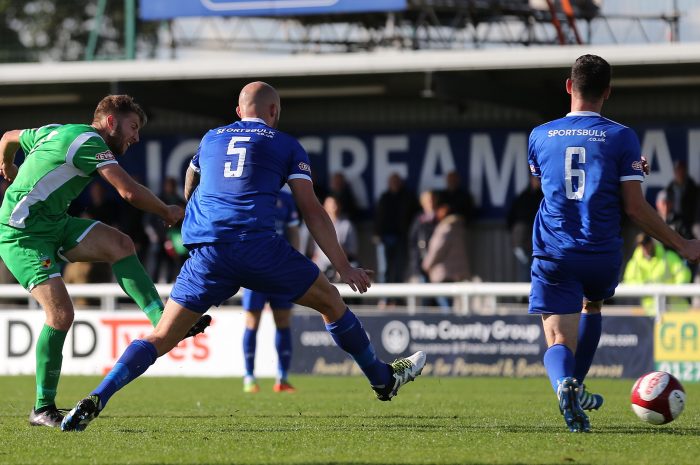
(337,421)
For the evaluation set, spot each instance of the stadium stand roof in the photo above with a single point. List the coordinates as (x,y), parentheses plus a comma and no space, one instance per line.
(249,66)
(361,86)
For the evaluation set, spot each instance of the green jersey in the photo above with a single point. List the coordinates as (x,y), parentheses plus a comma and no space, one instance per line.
(60,161)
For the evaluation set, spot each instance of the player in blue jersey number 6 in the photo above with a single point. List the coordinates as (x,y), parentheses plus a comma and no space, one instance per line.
(591,169)
(232,186)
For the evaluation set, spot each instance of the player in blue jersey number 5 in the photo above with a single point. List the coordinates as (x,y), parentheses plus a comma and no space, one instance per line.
(591,169)
(232,186)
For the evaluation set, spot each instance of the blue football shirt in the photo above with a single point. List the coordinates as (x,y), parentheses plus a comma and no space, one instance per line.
(582,160)
(242,167)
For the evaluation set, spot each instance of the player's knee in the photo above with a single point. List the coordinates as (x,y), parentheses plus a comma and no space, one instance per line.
(323,297)
(163,342)
(329,297)
(332,296)
(333,305)
(252,325)
(61,318)
(252,320)
(122,246)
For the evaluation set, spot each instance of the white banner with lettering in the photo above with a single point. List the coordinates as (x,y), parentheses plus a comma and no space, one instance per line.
(98,338)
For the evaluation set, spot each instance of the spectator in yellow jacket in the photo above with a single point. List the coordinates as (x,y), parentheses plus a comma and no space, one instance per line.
(652,263)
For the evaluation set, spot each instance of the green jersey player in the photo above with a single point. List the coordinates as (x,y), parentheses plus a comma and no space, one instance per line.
(36,231)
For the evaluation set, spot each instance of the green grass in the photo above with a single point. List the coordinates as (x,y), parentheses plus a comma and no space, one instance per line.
(337,421)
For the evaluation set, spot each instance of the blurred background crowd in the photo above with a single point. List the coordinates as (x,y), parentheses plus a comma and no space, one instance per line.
(409,237)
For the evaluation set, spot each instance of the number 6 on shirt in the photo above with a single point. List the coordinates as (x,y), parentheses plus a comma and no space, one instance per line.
(570,173)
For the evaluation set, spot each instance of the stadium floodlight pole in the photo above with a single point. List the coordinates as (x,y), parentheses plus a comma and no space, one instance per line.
(129,29)
(92,39)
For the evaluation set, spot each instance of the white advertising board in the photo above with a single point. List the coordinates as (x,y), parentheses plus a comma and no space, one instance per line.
(98,338)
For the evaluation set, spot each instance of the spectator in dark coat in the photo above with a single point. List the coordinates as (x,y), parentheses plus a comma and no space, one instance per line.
(683,196)
(343,193)
(520,221)
(460,200)
(393,215)
(419,235)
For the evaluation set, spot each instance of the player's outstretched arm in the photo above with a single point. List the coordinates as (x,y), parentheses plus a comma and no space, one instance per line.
(644,215)
(138,195)
(9,143)
(321,228)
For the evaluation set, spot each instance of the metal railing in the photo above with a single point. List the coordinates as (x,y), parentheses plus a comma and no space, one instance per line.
(463,292)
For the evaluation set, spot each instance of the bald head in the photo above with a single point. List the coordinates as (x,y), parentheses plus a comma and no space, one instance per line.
(259,100)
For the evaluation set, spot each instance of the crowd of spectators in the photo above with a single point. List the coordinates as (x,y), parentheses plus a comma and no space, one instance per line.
(422,238)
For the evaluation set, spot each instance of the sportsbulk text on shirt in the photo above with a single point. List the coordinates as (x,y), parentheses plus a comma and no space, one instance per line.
(575,132)
(269,133)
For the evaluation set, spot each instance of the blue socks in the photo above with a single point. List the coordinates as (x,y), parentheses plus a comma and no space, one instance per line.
(133,363)
(283,344)
(589,329)
(559,361)
(249,342)
(350,336)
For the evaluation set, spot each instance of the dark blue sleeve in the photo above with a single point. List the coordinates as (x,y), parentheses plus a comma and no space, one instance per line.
(630,161)
(532,154)
(194,163)
(300,166)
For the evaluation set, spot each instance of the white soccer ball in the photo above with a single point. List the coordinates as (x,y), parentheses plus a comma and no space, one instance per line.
(657,398)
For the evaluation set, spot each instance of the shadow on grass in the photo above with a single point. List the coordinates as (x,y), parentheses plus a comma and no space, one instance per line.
(241,424)
(399,422)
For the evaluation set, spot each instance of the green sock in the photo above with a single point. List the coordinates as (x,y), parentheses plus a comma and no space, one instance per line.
(134,280)
(49,356)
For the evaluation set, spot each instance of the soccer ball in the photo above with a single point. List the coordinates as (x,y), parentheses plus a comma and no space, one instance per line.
(657,398)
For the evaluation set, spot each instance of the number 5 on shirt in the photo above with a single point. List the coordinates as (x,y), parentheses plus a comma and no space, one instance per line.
(233,150)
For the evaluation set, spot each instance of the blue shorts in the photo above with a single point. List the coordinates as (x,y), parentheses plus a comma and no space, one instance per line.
(254,301)
(559,286)
(214,272)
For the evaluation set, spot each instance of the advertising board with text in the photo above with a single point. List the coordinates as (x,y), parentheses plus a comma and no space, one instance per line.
(677,345)
(474,346)
(455,345)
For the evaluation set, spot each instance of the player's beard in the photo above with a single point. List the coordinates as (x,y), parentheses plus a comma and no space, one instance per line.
(115,141)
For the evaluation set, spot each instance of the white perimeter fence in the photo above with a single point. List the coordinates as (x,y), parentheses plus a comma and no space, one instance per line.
(465,293)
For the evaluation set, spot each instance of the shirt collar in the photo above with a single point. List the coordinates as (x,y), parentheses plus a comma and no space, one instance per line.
(583,113)
(255,120)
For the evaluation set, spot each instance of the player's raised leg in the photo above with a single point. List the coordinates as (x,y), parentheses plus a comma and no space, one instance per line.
(347,332)
(102,243)
(135,360)
(54,299)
